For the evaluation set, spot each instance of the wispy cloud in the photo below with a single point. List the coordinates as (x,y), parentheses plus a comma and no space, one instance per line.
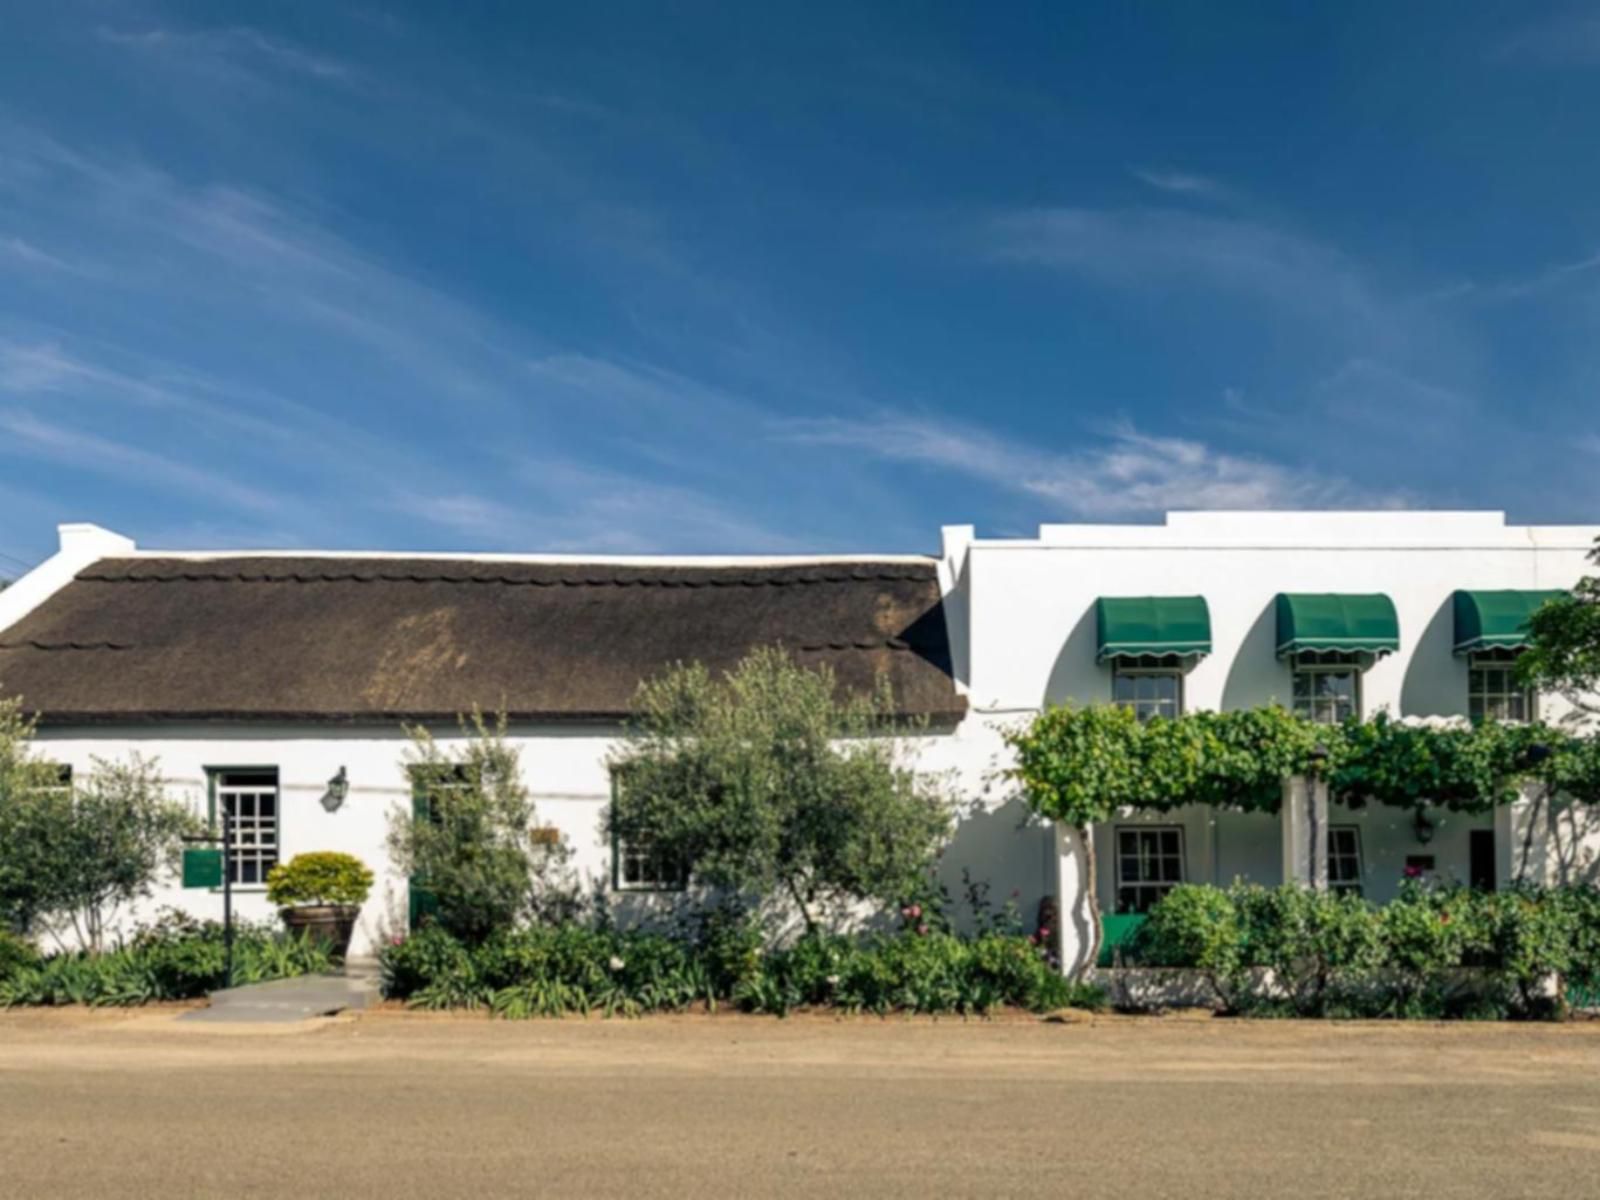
(1335,303)
(1181,182)
(25,252)
(81,450)
(1126,474)
(1532,286)
(1153,247)
(1572,40)
(237,46)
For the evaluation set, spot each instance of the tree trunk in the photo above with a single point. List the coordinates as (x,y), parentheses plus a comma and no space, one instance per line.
(1527,839)
(1092,881)
(802,904)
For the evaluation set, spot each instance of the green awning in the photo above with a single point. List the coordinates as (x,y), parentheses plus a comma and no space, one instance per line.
(1495,620)
(1130,626)
(1333,621)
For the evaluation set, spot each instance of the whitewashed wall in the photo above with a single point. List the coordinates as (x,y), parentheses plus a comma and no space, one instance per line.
(1022,631)
(1030,601)
(565,769)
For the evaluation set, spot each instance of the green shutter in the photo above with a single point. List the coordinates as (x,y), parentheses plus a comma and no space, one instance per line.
(1334,621)
(1133,626)
(1496,620)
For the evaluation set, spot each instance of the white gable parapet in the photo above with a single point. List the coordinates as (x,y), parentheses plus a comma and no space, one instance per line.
(81,545)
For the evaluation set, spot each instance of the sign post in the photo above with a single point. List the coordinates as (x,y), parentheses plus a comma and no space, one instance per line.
(207,867)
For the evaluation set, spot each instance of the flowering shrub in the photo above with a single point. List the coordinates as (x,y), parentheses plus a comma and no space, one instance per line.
(1433,952)
(550,971)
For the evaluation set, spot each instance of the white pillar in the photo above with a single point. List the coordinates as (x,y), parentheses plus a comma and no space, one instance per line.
(1079,937)
(1304,820)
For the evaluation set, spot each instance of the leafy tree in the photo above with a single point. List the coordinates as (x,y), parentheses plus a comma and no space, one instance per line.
(469,844)
(1565,655)
(73,856)
(105,842)
(768,781)
(21,879)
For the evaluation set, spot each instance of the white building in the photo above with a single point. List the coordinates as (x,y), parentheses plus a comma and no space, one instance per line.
(257,679)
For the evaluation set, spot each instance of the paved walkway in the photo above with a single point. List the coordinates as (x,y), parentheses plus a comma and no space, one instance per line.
(287,1000)
(413,1105)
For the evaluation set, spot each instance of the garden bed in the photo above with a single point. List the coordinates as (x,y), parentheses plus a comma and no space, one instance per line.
(572,969)
(175,960)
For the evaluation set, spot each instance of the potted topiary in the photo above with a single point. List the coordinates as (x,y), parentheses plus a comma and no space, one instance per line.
(318,895)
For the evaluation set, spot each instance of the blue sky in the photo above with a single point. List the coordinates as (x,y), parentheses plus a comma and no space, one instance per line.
(799,278)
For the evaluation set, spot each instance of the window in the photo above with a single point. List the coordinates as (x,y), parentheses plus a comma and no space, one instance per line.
(1150,691)
(637,866)
(1344,859)
(249,799)
(54,779)
(1149,865)
(1327,687)
(1493,693)
(430,780)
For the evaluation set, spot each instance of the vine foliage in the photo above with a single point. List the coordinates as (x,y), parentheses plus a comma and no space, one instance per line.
(1081,765)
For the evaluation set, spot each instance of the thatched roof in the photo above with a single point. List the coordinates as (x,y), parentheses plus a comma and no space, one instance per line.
(374,640)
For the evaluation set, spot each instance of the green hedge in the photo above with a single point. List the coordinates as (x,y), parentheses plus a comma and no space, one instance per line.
(178,959)
(1434,952)
(552,971)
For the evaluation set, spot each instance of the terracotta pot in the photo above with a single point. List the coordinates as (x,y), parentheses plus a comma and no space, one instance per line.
(330,924)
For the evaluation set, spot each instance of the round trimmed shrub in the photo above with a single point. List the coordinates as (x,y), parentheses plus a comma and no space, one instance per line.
(322,877)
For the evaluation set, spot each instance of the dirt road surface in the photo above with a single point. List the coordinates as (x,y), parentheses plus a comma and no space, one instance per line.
(403,1105)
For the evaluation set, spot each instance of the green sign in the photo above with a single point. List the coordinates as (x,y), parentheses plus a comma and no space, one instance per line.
(202,868)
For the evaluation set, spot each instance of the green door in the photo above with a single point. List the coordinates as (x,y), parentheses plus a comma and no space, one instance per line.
(421,903)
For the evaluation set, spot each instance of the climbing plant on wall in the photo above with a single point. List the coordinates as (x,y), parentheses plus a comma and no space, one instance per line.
(1080,765)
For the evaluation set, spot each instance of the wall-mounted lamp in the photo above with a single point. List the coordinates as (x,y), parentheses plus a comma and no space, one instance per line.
(1422,827)
(338,789)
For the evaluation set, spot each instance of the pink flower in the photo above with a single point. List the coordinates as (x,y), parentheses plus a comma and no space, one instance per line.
(915,911)
(397,940)
(922,930)
(1413,872)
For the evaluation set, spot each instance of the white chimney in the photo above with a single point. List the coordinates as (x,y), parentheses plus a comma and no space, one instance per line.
(81,544)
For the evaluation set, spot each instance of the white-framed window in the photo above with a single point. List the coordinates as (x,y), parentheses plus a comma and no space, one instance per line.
(53,779)
(639,866)
(1327,686)
(1344,859)
(249,799)
(1151,688)
(1493,692)
(1149,865)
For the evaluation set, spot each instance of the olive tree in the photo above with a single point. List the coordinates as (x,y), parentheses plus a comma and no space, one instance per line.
(21,878)
(468,842)
(767,781)
(105,842)
(71,856)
